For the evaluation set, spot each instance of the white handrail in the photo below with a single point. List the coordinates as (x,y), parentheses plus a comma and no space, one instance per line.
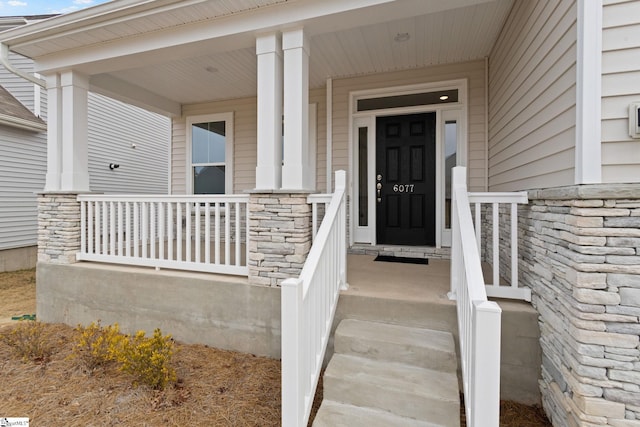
(308,305)
(478,318)
(161,231)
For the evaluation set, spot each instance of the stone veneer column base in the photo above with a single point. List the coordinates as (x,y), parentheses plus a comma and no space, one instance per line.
(580,249)
(279,236)
(58,227)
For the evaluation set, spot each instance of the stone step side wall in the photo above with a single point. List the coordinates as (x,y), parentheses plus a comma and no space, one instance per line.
(580,254)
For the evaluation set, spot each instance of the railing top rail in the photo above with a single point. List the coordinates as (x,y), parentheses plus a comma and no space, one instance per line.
(163,198)
(499,197)
(323,232)
(319,198)
(473,269)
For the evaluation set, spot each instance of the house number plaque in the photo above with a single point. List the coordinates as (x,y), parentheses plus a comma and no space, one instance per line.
(403,188)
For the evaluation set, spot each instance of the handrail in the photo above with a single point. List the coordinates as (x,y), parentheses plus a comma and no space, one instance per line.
(203,233)
(478,319)
(308,305)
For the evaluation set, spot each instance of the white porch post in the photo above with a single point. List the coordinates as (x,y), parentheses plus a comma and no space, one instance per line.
(67,159)
(269,168)
(295,172)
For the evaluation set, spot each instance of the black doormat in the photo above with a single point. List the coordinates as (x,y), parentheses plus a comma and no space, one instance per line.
(406,260)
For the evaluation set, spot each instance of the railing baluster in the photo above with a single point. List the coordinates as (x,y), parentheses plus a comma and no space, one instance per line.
(161,228)
(170,231)
(197,231)
(496,244)
(227,234)
(179,231)
(127,242)
(187,242)
(98,227)
(217,231)
(207,236)
(238,226)
(115,228)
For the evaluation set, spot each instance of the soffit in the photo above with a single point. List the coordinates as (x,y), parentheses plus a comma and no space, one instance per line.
(354,42)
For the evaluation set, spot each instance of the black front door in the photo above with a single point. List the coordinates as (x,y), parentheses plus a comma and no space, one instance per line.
(405,180)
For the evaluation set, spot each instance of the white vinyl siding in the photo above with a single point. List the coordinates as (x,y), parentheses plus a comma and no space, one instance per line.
(244,140)
(114,127)
(472,71)
(23,161)
(620,87)
(532,93)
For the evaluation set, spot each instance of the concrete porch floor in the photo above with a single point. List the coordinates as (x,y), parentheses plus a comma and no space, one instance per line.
(416,295)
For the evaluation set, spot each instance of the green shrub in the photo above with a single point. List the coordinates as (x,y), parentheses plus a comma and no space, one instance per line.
(30,341)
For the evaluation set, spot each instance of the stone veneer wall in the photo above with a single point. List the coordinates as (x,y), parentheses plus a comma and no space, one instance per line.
(279,236)
(580,254)
(58,227)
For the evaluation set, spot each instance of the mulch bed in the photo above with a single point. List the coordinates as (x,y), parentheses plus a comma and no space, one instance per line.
(215,387)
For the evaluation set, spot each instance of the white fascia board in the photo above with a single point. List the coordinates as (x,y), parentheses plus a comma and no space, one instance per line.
(22,124)
(134,95)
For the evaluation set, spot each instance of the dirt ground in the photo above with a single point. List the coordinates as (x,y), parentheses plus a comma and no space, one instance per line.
(214,388)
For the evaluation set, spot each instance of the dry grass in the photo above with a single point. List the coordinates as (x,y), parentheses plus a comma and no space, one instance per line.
(17,293)
(215,387)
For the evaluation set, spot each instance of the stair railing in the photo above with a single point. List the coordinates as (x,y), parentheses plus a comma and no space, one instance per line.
(478,318)
(308,305)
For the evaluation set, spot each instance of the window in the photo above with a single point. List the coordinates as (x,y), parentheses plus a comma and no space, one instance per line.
(211,158)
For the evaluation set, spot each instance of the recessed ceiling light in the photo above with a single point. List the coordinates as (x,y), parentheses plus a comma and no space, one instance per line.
(402,37)
(444,97)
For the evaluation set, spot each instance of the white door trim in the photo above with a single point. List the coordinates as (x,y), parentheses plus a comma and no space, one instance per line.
(448,111)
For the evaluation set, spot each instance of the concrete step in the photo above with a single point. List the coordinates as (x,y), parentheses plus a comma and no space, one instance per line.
(394,343)
(404,390)
(334,414)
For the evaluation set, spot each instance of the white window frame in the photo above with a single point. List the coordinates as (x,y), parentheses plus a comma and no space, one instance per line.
(228,149)
(446,111)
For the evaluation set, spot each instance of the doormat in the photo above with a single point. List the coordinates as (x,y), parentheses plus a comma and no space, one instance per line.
(405,260)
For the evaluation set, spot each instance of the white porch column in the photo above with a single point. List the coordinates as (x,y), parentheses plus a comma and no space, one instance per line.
(295,172)
(269,167)
(67,162)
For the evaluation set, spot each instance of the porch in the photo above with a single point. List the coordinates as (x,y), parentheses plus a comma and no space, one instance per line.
(226,312)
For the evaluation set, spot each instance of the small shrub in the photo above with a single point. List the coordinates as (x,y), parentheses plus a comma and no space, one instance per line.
(30,341)
(98,346)
(149,359)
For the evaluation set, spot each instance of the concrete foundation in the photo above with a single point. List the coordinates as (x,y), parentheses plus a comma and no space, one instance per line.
(18,258)
(220,311)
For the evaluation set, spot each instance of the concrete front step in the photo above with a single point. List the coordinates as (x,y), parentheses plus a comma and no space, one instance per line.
(407,391)
(395,343)
(334,414)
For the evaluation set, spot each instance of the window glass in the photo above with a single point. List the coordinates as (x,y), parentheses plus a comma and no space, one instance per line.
(363,197)
(450,160)
(208,142)
(410,100)
(208,155)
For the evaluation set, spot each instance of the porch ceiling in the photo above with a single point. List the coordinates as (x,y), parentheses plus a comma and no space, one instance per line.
(194,51)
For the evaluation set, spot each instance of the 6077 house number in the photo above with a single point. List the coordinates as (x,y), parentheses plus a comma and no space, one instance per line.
(403,188)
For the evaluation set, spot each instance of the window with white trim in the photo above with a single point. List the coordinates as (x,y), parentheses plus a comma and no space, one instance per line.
(210,142)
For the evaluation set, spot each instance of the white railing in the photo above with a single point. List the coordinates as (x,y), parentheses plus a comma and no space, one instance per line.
(317,200)
(197,233)
(495,200)
(478,318)
(308,305)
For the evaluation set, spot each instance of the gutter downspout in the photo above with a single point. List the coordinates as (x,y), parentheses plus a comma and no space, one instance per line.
(4,60)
